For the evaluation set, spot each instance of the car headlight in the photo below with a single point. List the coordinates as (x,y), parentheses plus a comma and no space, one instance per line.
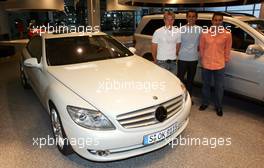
(185,92)
(90,119)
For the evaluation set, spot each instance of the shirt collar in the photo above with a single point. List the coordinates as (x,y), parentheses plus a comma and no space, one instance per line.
(168,29)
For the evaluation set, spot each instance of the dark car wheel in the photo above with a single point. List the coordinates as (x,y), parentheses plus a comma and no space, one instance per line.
(61,139)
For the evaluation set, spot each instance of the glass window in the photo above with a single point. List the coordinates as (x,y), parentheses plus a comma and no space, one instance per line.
(240,7)
(240,39)
(75,13)
(34,47)
(215,9)
(244,11)
(256,13)
(122,23)
(258,6)
(72,50)
(195,8)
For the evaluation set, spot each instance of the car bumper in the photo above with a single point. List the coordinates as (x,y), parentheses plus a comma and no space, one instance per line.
(122,143)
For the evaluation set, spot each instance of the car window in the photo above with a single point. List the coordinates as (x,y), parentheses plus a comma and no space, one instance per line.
(78,49)
(34,47)
(257,24)
(204,23)
(151,26)
(240,39)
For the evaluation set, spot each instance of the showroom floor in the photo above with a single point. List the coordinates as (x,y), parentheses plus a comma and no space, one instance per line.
(22,118)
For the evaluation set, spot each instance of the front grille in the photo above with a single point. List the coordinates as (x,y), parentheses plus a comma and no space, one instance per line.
(146,117)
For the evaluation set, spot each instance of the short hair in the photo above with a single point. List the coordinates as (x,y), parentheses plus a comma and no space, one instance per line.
(168,13)
(217,14)
(192,11)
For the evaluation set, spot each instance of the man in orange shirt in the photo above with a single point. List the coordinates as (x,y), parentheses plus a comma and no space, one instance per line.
(215,46)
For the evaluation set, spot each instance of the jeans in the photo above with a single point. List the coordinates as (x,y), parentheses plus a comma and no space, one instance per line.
(169,66)
(189,68)
(218,76)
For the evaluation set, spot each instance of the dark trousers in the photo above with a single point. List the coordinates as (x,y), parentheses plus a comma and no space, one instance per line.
(218,76)
(189,68)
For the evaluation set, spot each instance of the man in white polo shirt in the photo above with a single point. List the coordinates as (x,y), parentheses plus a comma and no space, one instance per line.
(165,42)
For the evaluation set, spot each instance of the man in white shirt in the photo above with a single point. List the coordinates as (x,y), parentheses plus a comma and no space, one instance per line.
(165,43)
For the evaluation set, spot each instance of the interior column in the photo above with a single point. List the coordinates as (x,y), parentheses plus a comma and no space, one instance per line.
(93,13)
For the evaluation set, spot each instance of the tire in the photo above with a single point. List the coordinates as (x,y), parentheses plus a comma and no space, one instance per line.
(61,140)
(23,79)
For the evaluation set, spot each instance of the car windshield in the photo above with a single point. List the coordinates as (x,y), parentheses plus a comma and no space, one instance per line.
(72,50)
(257,24)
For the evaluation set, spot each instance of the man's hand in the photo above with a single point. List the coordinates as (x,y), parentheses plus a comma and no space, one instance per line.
(178,47)
(154,48)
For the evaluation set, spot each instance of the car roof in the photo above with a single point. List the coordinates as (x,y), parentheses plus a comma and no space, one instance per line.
(261,20)
(63,35)
(245,18)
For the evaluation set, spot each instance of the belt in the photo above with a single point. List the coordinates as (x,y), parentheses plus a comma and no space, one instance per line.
(167,61)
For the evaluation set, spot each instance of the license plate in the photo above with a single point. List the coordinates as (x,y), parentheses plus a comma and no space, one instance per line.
(158,136)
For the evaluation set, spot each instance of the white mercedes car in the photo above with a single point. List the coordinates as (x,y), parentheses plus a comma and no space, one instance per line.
(105,103)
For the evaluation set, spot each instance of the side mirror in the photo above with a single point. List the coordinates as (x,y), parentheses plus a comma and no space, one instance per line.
(132,49)
(255,49)
(32,62)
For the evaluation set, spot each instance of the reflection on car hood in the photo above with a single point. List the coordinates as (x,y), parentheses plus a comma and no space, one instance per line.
(119,85)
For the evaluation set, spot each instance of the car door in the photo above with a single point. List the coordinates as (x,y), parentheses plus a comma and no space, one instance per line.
(36,75)
(243,73)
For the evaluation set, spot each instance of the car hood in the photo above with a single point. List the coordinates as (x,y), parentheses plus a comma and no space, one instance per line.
(119,85)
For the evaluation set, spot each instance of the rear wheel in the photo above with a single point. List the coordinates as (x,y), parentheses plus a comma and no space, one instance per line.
(61,139)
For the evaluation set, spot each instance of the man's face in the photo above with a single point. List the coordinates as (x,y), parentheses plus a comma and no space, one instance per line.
(191,18)
(217,21)
(169,20)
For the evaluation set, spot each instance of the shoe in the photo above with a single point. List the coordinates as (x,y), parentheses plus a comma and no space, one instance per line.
(203,107)
(219,112)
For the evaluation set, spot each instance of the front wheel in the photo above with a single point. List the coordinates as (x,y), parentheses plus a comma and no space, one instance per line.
(23,78)
(61,139)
